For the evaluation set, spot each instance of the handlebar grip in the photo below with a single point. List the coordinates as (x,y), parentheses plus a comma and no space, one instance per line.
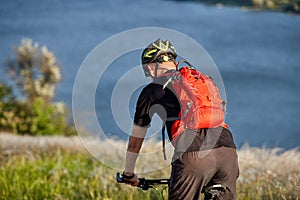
(119,178)
(142,182)
(145,184)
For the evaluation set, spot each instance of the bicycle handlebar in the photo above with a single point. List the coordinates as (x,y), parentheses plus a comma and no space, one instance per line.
(209,191)
(145,184)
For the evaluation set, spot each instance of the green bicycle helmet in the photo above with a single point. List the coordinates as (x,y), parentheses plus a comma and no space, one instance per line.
(152,52)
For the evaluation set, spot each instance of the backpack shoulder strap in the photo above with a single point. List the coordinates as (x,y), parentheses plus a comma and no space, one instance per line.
(186,62)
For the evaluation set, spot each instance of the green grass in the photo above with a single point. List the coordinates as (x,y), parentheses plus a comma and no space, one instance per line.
(63,176)
(59,168)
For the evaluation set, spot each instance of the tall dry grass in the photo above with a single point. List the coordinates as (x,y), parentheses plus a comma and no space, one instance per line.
(269,173)
(264,173)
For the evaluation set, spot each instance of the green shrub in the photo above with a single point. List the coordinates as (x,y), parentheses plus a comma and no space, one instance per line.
(34,118)
(41,118)
(35,73)
(9,108)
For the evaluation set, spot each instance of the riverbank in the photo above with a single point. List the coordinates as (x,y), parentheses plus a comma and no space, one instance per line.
(60,168)
(288,6)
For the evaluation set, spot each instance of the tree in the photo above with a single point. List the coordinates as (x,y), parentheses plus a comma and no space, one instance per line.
(35,70)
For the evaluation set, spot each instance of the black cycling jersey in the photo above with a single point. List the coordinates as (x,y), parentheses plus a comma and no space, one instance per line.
(154,99)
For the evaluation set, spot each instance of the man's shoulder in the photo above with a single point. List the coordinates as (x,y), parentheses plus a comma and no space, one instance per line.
(149,88)
(153,91)
(153,85)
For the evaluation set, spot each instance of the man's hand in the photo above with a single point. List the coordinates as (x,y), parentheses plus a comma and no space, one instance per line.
(130,178)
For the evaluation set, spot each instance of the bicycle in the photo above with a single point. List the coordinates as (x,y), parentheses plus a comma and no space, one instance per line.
(210,192)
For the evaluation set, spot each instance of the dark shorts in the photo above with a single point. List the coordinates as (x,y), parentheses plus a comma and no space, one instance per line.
(194,170)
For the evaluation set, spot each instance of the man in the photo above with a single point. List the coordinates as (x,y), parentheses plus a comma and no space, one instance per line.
(204,157)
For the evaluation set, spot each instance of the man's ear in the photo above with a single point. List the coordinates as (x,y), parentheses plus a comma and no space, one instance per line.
(151,69)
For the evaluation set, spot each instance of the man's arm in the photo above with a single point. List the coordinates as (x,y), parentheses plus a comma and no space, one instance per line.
(134,145)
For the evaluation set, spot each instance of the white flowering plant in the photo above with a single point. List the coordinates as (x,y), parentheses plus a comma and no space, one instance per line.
(35,70)
(35,74)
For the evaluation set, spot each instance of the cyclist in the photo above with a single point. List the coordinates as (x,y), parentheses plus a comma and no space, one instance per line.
(202,157)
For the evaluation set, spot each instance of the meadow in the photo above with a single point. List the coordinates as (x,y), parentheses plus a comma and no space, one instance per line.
(57,167)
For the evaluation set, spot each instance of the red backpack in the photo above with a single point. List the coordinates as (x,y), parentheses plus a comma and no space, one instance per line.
(201,102)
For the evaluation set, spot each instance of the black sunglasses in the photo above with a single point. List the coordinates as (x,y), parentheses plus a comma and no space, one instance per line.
(164,58)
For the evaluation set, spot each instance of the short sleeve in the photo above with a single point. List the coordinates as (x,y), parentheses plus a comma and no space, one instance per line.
(142,116)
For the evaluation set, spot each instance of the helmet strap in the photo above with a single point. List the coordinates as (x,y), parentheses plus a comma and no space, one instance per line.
(176,64)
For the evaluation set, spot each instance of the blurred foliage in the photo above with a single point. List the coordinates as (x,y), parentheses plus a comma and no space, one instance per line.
(35,73)
(291,6)
(34,69)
